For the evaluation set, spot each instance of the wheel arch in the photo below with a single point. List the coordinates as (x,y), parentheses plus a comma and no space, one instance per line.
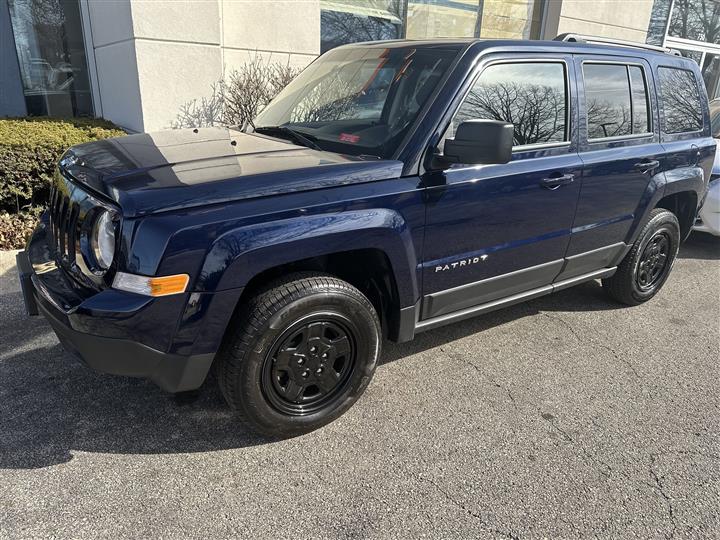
(684,205)
(368,269)
(370,249)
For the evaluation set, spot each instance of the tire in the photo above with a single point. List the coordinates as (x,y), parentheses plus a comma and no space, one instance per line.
(646,267)
(306,329)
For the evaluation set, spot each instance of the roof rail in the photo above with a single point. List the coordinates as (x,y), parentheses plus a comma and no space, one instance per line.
(579,38)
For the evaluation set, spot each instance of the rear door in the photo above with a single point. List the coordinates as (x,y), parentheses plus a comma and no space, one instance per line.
(622,157)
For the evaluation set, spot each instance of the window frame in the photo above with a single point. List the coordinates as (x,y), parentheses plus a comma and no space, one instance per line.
(648,103)
(679,135)
(523,60)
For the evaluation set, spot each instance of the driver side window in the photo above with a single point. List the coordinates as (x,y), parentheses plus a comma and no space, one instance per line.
(530,95)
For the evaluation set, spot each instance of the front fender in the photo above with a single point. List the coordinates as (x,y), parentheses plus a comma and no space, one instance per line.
(238,255)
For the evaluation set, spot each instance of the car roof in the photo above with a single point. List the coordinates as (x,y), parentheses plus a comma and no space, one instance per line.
(577,47)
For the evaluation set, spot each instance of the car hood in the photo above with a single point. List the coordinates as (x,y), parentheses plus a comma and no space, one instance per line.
(169,170)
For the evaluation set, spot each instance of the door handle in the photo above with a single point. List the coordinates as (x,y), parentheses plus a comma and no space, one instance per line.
(554,182)
(646,166)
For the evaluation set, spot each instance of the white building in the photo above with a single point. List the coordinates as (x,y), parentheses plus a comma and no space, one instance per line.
(136,62)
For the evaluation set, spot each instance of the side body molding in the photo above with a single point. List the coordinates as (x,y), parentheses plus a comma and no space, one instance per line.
(238,255)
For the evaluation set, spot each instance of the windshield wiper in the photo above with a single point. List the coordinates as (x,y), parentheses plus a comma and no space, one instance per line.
(295,135)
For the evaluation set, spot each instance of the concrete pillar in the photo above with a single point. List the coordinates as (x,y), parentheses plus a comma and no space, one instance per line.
(112,38)
(619,19)
(154,56)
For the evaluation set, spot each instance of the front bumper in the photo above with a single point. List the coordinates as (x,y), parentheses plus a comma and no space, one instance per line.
(105,330)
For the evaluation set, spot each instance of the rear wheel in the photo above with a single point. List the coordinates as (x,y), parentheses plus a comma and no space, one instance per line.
(300,353)
(646,267)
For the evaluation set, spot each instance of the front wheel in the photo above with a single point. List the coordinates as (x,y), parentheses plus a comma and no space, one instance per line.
(299,354)
(646,267)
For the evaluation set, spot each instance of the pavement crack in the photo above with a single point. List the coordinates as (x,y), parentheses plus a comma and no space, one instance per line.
(583,338)
(469,511)
(590,459)
(668,500)
(461,358)
(690,453)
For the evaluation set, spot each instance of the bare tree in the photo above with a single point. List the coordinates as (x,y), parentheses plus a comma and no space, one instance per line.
(334,98)
(537,111)
(696,19)
(606,119)
(681,100)
(239,98)
(340,27)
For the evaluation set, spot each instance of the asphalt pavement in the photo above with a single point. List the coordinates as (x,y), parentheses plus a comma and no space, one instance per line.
(566,417)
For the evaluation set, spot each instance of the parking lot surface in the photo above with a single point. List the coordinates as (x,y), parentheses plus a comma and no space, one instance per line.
(569,416)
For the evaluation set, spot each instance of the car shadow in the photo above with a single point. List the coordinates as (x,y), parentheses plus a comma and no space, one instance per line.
(52,405)
(701,246)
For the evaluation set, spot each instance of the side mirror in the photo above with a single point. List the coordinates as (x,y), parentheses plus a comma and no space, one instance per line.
(479,142)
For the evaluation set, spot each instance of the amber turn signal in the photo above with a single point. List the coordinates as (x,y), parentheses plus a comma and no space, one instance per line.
(151,286)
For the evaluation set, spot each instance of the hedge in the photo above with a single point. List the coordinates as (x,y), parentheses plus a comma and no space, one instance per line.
(15,229)
(30,149)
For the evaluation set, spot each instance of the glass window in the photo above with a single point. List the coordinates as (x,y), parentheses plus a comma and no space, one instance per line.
(709,63)
(658,22)
(442,19)
(698,20)
(711,74)
(715,118)
(360,100)
(640,112)
(352,21)
(680,101)
(519,19)
(607,100)
(531,96)
(690,53)
(51,52)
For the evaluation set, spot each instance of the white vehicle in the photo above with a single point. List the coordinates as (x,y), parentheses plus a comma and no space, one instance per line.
(709,216)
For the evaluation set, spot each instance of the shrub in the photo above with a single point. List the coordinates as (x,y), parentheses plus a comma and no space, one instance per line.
(30,149)
(15,228)
(237,100)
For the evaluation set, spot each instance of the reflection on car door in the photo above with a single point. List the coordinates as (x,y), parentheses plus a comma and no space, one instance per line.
(621,154)
(497,230)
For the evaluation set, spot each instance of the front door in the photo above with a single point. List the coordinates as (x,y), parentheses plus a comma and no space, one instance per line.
(493,231)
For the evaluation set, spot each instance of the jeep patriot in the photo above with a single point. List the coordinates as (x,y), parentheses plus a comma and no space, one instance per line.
(391,188)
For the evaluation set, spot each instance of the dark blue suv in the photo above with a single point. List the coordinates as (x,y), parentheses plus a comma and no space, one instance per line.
(392,188)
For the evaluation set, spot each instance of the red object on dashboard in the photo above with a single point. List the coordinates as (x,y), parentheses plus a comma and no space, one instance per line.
(349,137)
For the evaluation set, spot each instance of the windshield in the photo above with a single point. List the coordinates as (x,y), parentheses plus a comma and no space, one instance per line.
(358,100)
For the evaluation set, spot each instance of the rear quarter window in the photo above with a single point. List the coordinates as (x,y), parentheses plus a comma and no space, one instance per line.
(680,98)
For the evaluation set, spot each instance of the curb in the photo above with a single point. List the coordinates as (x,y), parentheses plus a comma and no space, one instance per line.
(7,260)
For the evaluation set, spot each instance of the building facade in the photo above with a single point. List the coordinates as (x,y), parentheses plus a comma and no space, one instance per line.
(136,62)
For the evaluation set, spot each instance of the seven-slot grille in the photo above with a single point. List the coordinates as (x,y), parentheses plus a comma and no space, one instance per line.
(64,214)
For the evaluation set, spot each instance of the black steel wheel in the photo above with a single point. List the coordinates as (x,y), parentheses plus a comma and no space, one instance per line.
(310,364)
(299,353)
(653,263)
(646,267)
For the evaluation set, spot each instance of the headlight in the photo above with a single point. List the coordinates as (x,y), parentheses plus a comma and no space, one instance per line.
(102,240)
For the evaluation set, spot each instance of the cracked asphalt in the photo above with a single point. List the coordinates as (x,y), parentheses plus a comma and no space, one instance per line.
(566,417)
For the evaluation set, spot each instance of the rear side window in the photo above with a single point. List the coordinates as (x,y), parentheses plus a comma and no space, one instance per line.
(680,101)
(640,109)
(529,95)
(616,100)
